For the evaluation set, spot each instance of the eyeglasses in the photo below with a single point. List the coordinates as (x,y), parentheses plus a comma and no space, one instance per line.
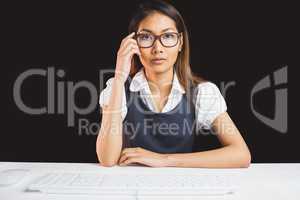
(146,40)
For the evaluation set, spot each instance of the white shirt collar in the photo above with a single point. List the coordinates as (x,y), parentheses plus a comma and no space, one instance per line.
(139,82)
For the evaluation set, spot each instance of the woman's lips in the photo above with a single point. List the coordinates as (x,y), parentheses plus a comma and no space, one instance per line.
(158,61)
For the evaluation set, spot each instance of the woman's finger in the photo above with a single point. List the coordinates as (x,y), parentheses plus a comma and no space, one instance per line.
(128,150)
(128,37)
(130,52)
(132,160)
(124,157)
(127,49)
(133,50)
(126,46)
(128,41)
(127,155)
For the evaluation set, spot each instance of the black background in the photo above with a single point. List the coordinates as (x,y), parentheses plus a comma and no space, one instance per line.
(229,42)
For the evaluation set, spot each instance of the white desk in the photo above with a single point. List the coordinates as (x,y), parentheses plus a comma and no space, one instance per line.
(259,181)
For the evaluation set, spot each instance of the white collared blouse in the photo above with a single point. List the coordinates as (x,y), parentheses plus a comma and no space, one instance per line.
(209,102)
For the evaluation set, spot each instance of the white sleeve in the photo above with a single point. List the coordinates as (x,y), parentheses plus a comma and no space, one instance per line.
(105,97)
(209,104)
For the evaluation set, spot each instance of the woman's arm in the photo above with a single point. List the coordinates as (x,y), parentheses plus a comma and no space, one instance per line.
(109,141)
(234,152)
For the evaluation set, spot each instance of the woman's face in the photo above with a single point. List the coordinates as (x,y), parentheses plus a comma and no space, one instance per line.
(157,24)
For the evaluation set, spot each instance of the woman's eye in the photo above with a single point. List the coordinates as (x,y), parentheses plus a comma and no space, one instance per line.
(169,36)
(145,37)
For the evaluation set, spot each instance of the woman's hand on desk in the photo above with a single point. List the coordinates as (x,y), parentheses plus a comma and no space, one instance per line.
(142,156)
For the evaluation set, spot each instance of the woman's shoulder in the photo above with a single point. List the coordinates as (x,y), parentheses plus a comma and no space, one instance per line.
(209,103)
(209,96)
(207,87)
(106,92)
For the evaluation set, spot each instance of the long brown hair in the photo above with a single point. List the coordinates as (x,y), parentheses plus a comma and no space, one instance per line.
(182,64)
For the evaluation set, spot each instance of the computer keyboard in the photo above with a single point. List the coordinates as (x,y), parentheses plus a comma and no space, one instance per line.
(133,184)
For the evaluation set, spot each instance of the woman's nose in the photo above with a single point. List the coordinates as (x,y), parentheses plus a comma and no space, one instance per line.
(157,47)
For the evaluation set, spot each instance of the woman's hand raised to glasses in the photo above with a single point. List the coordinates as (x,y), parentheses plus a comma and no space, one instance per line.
(126,51)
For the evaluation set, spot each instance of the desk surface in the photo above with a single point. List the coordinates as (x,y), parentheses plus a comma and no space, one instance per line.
(259,181)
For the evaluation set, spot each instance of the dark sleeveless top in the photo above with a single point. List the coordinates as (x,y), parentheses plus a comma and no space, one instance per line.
(170,132)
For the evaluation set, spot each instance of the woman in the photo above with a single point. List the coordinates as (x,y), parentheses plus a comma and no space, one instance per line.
(147,120)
